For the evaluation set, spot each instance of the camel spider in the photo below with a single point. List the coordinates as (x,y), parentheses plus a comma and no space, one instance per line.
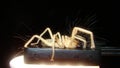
(63,41)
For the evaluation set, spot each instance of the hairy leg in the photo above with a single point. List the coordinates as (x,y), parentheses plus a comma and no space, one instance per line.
(76,29)
(29,41)
(81,39)
(32,38)
(47,29)
(52,44)
(43,40)
(59,40)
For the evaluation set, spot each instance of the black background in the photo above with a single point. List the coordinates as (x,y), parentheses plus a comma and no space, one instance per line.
(25,18)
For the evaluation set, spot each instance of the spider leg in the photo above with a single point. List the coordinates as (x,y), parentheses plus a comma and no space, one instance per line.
(36,36)
(29,41)
(43,40)
(58,35)
(76,29)
(47,29)
(51,44)
(81,39)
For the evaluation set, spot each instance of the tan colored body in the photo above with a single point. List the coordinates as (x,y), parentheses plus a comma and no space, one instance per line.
(63,41)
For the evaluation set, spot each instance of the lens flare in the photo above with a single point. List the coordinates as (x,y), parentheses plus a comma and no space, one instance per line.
(18,62)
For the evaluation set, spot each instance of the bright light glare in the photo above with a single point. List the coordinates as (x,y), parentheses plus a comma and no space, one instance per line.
(18,62)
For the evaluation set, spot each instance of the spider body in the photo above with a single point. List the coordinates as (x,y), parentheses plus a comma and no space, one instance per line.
(63,41)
